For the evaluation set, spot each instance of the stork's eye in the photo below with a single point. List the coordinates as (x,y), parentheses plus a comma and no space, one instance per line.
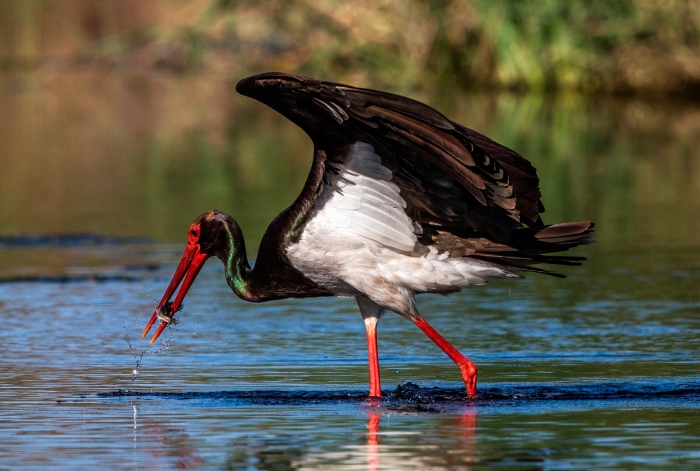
(194,234)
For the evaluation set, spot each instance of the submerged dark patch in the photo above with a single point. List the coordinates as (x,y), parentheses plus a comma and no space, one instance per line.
(410,397)
(70,278)
(68,240)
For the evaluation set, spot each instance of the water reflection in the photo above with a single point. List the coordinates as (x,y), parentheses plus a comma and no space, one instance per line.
(163,446)
(390,449)
(372,437)
(267,454)
(144,153)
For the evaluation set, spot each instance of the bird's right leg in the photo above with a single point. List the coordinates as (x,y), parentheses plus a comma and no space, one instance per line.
(467,368)
(371,312)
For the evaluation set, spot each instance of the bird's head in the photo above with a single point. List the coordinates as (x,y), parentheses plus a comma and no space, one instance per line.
(213,233)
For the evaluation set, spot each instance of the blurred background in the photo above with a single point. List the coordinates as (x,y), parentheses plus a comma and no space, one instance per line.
(119,124)
(119,117)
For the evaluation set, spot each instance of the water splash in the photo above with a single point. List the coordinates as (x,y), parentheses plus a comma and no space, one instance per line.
(135,371)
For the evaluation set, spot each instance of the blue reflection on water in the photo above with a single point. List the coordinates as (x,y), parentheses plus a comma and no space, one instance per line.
(574,374)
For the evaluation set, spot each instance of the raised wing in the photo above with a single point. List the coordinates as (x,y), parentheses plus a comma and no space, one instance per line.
(449,177)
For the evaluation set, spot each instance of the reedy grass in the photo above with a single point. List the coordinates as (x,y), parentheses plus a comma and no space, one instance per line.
(646,47)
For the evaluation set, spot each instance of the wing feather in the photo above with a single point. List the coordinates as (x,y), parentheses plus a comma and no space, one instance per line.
(361,201)
(447,175)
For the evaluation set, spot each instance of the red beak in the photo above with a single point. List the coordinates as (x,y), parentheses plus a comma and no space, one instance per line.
(188,268)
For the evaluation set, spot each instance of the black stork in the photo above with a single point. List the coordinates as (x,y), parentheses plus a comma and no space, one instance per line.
(399,201)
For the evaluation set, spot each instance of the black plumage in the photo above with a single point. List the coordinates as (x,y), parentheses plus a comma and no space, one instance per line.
(445,208)
(462,189)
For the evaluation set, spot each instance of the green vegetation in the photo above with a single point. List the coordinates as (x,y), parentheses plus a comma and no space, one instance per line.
(646,47)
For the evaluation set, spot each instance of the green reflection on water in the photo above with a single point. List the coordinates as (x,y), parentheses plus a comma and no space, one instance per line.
(143,153)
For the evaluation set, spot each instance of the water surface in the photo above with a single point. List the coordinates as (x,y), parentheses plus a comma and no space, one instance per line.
(597,370)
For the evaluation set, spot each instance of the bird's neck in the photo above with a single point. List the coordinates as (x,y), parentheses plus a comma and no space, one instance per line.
(238,271)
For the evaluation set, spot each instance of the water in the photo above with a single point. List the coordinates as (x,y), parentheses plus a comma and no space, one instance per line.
(573,374)
(596,371)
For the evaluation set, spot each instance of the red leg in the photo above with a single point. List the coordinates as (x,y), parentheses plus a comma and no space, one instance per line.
(374,384)
(467,367)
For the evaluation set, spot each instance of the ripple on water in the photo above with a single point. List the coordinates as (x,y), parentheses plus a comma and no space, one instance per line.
(571,377)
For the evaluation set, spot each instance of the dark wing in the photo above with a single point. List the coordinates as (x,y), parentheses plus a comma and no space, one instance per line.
(450,176)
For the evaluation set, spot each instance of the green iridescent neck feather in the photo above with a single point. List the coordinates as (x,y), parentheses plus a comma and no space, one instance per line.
(236,263)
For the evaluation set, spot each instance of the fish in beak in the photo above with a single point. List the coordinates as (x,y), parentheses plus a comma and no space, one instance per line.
(187,270)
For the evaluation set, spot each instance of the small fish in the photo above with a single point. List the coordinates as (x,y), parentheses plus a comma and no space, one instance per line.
(165,313)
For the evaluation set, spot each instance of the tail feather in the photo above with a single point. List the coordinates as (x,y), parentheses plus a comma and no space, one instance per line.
(553,238)
(530,246)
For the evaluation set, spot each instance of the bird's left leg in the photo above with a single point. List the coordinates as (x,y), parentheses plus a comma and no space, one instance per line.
(371,312)
(467,367)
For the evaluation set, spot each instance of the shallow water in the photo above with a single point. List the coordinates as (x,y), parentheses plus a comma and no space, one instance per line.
(573,374)
(599,370)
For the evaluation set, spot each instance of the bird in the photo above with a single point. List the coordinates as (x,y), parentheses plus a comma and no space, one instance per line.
(399,201)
